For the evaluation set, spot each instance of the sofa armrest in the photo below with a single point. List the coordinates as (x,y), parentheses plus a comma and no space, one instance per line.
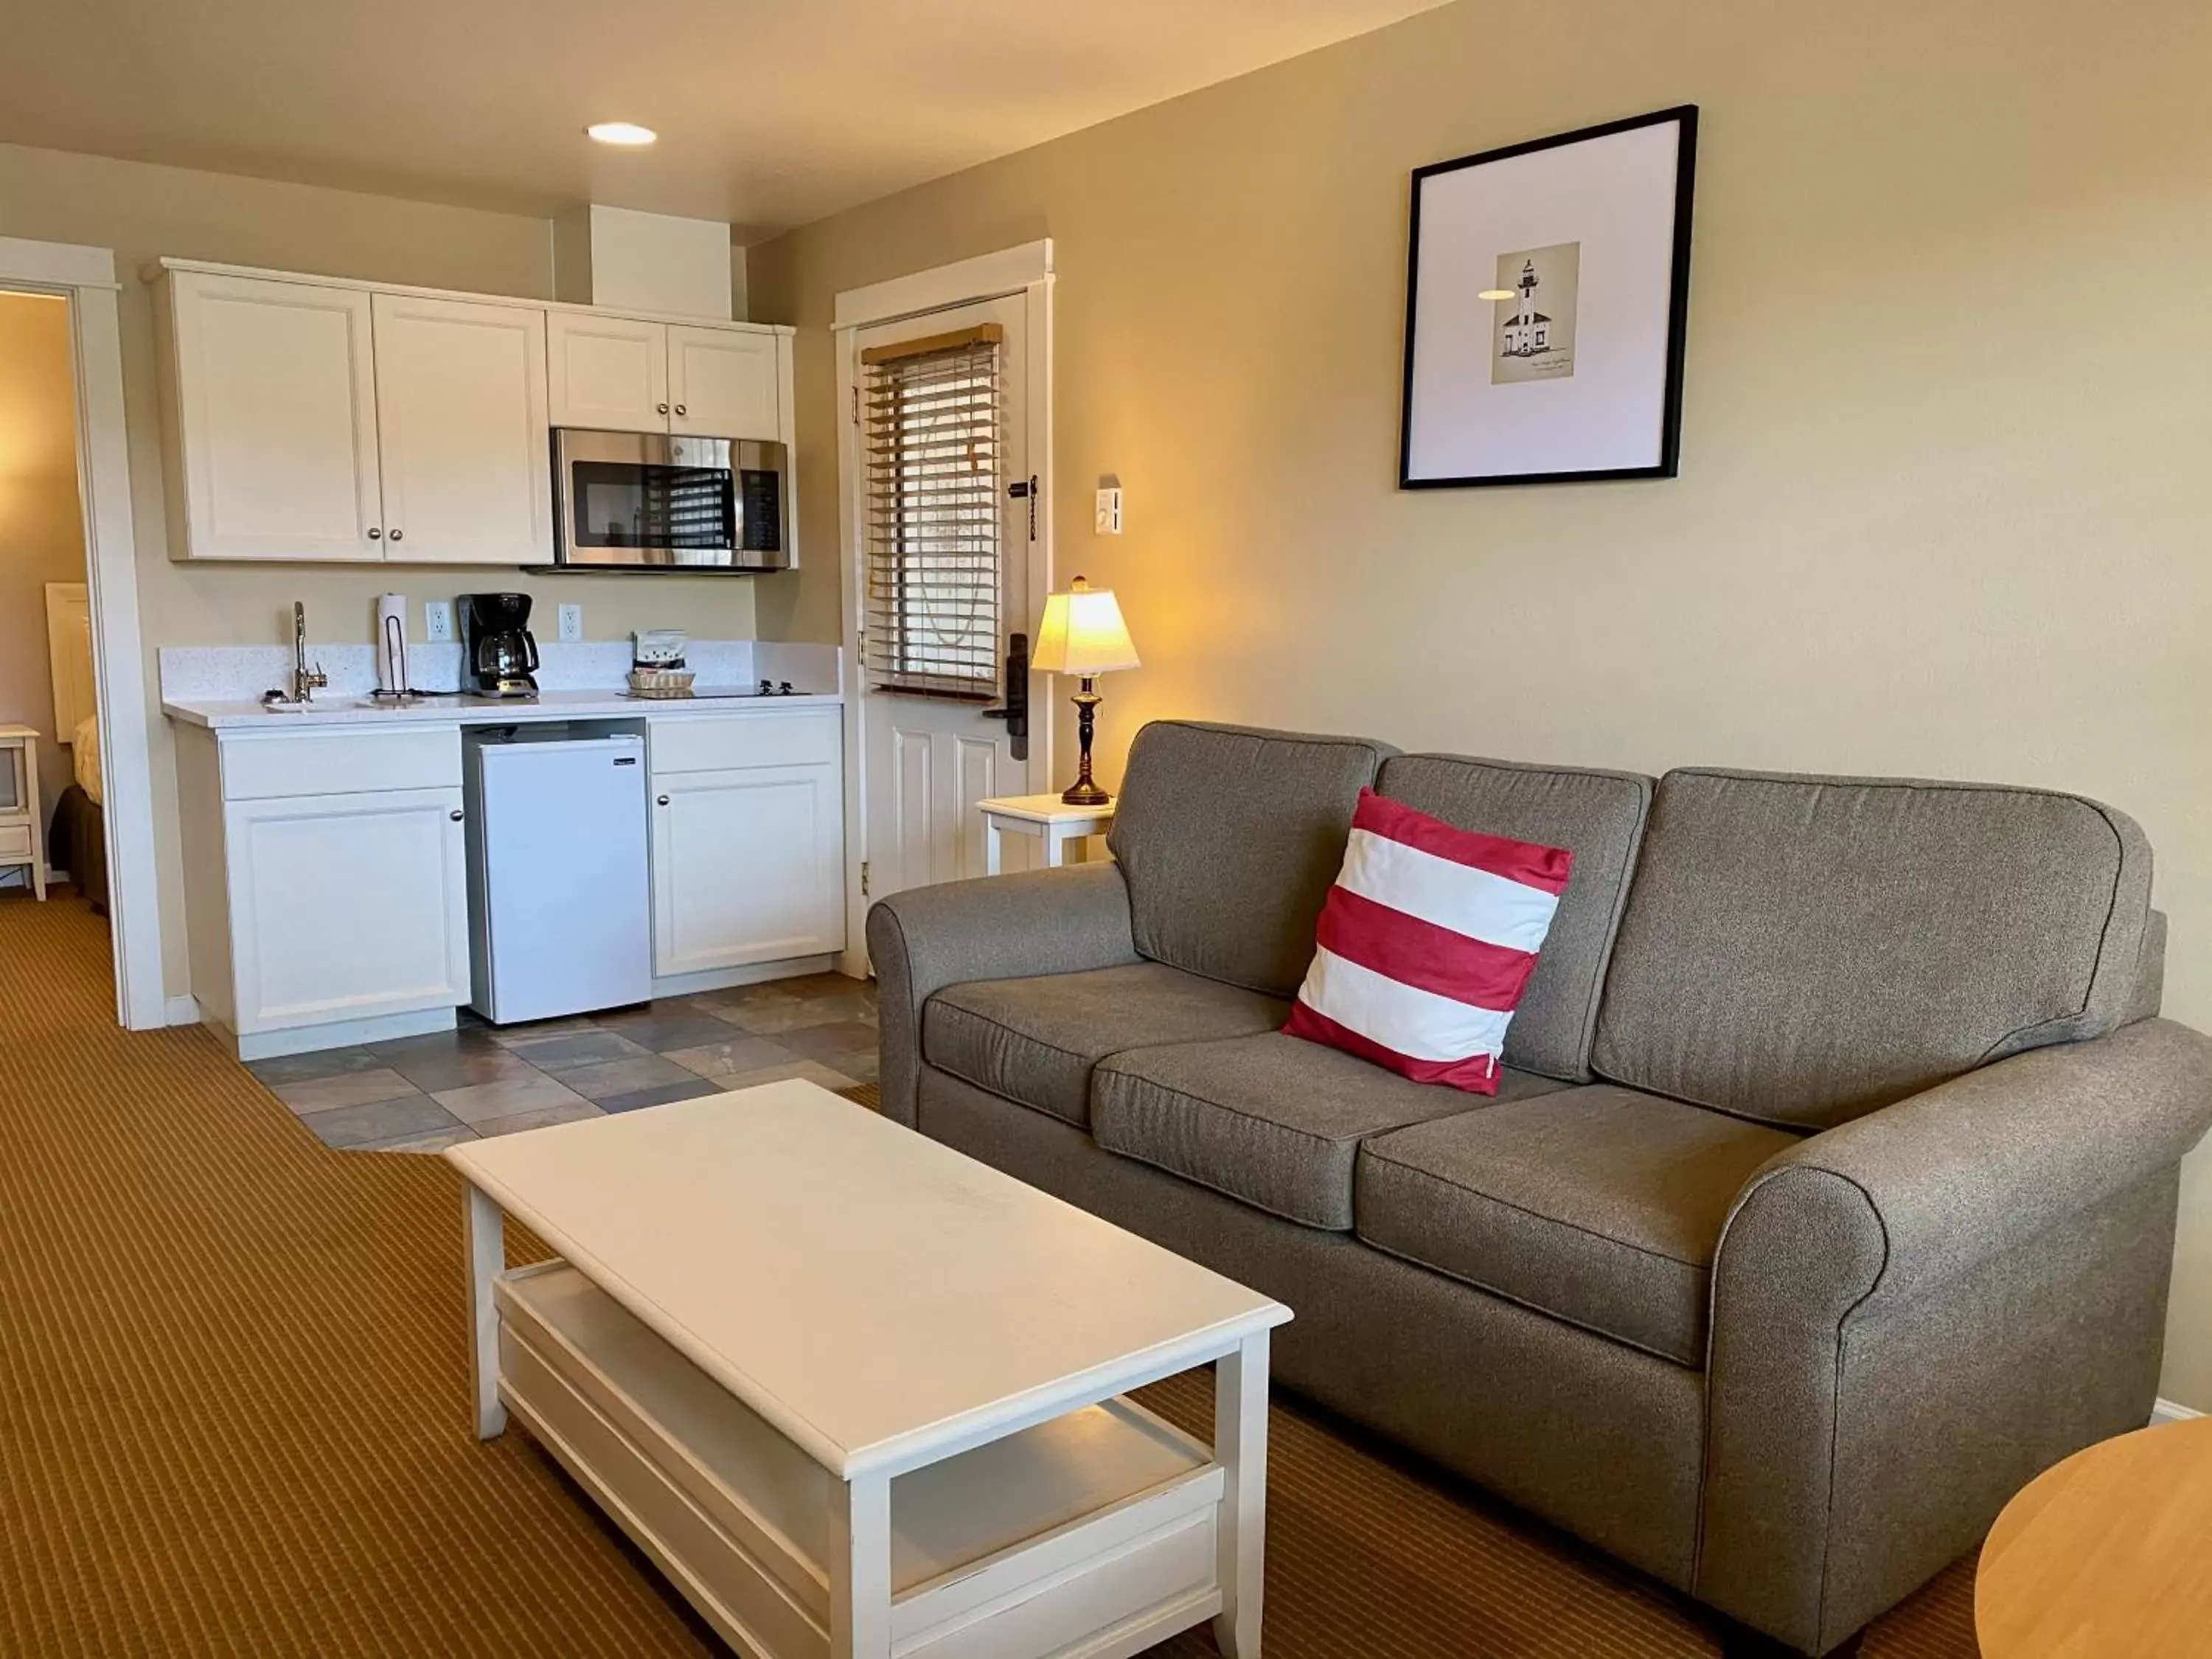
(1019,927)
(1934,1301)
(1979,1165)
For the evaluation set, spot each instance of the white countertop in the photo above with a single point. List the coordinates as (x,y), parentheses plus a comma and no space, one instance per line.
(469,711)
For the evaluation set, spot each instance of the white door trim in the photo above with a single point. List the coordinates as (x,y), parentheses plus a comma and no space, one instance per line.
(1026,270)
(987,277)
(86,277)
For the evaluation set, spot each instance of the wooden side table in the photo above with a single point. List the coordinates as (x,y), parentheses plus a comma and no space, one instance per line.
(1047,818)
(2104,1553)
(22,833)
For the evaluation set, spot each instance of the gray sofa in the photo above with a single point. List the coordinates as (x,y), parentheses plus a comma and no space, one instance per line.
(1828,1196)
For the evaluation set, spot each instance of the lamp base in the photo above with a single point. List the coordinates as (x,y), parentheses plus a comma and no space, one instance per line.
(1084,792)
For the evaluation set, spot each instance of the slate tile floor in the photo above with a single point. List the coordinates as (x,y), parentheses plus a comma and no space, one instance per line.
(422,1094)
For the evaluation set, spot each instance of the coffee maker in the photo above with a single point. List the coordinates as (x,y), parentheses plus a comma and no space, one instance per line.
(497,653)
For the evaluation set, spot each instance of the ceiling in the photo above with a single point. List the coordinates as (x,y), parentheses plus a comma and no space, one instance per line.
(771,113)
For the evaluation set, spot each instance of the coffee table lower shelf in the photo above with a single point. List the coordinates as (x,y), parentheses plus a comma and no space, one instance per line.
(1093,1535)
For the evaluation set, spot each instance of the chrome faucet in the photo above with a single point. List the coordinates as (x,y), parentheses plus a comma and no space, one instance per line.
(306,681)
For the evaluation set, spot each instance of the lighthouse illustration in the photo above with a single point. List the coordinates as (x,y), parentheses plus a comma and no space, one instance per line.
(1528,343)
(1528,332)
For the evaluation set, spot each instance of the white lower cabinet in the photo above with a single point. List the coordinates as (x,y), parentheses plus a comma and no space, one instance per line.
(744,867)
(748,840)
(347,906)
(325,883)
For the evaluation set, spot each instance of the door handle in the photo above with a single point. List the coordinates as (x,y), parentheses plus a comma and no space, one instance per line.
(1015,711)
(457,815)
(661,801)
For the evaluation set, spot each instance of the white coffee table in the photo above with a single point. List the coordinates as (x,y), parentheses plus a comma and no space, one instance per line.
(856,1394)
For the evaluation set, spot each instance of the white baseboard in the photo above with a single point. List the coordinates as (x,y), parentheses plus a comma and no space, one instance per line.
(726,979)
(2166,1412)
(181,1011)
(337,1034)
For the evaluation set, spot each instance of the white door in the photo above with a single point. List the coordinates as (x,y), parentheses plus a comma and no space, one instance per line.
(746,866)
(276,419)
(466,438)
(607,373)
(722,383)
(347,906)
(949,565)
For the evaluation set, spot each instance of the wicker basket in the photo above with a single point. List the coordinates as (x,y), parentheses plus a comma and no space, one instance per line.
(660,682)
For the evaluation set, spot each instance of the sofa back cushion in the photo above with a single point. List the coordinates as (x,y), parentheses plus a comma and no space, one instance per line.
(1802,950)
(1229,838)
(1597,816)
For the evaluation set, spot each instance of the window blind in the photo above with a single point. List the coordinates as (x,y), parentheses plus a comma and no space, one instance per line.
(933,427)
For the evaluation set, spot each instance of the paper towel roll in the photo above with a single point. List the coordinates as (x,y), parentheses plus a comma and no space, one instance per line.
(391,642)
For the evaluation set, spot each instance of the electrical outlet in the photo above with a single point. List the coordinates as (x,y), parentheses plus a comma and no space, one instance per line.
(1108,519)
(572,623)
(437,619)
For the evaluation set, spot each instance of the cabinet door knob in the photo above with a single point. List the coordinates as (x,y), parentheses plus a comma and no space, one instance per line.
(662,801)
(397,534)
(661,409)
(458,815)
(680,410)
(375,534)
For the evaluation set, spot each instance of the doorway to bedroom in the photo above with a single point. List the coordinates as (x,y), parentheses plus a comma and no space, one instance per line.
(52,838)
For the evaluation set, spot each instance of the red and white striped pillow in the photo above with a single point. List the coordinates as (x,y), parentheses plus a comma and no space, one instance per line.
(1426,943)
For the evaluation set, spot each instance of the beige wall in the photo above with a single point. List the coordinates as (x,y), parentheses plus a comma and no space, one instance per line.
(1945,506)
(143,213)
(41,530)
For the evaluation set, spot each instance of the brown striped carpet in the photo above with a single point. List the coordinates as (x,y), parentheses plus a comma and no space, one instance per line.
(232,1415)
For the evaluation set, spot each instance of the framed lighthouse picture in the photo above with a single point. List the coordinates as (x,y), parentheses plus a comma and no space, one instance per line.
(1547,288)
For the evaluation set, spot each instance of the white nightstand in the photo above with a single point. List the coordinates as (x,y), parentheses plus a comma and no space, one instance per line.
(22,836)
(1047,818)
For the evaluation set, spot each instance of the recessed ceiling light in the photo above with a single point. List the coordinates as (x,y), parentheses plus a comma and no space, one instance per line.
(627,134)
(1498,294)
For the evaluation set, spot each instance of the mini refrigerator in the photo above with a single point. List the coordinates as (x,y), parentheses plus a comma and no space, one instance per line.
(560,905)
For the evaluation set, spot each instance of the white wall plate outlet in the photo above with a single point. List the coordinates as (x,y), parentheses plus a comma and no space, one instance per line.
(1108,520)
(572,623)
(437,619)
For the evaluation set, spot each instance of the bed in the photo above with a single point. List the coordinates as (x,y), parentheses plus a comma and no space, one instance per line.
(76,839)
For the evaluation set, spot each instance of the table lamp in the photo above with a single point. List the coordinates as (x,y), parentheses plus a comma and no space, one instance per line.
(1082,633)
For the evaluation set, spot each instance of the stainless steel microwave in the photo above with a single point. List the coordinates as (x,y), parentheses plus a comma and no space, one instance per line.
(654,501)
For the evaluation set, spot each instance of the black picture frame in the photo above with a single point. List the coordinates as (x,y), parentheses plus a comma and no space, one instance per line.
(1668,462)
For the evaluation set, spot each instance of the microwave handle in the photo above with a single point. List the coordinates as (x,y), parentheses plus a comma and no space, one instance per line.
(1015,711)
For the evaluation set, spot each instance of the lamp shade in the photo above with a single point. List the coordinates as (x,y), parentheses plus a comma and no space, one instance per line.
(1083,633)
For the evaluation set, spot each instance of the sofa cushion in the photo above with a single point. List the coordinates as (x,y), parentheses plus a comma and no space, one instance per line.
(1229,839)
(1598,1205)
(1034,1040)
(1597,816)
(1270,1120)
(1802,950)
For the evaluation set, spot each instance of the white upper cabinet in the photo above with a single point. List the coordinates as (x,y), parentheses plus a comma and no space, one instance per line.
(623,375)
(316,418)
(608,373)
(461,413)
(274,408)
(723,383)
